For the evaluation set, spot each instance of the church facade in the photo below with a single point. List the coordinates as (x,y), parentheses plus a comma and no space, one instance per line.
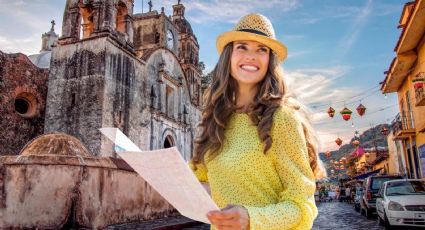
(113,68)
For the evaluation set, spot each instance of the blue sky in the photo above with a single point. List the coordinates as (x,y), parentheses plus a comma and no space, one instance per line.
(338,50)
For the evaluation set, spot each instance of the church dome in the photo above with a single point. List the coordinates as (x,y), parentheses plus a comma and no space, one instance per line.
(55,144)
(41,60)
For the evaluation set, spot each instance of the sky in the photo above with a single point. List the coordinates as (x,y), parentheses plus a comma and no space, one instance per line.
(337,50)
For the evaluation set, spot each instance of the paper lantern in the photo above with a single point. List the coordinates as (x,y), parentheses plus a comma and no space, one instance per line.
(384,131)
(331,112)
(418,81)
(328,154)
(338,141)
(361,109)
(346,114)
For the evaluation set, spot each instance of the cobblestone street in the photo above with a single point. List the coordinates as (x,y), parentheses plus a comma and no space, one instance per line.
(337,215)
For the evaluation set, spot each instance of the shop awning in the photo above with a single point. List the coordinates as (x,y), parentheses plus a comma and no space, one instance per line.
(368,174)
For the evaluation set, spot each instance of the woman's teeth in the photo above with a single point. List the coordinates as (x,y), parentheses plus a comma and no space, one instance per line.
(249,67)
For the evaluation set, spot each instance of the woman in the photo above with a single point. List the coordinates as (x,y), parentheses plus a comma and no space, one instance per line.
(255,150)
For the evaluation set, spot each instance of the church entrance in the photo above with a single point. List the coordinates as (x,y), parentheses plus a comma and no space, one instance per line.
(168,142)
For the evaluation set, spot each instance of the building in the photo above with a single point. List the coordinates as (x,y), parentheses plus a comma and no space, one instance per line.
(404,78)
(109,68)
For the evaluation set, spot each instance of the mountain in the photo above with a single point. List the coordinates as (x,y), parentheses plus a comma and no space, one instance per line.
(368,139)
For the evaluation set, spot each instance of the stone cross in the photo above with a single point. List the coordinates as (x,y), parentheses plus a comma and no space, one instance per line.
(53,25)
(150,5)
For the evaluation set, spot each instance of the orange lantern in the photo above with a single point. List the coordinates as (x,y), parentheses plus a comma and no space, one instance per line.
(346,114)
(328,154)
(331,112)
(384,131)
(338,141)
(361,109)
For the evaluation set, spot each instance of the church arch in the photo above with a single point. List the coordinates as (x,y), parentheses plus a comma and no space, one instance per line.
(169,138)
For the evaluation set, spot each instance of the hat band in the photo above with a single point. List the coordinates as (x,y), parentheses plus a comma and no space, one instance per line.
(254,31)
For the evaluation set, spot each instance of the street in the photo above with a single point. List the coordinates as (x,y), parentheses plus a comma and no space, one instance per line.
(340,215)
(332,216)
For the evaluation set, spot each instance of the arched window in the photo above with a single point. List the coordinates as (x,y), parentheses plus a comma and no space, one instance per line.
(121,18)
(86,22)
(168,142)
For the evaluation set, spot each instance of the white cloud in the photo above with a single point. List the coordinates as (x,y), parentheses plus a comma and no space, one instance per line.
(356,27)
(27,45)
(231,10)
(317,86)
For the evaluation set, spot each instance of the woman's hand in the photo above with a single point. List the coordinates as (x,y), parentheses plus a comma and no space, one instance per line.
(232,217)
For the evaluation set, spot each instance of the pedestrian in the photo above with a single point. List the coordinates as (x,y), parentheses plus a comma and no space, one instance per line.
(255,148)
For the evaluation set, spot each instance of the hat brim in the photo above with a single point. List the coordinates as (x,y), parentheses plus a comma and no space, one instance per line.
(231,36)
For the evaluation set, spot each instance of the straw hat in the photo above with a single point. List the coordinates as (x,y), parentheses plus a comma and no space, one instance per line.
(253,27)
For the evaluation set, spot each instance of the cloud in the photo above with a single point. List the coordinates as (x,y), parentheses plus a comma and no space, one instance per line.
(216,11)
(28,45)
(356,27)
(316,86)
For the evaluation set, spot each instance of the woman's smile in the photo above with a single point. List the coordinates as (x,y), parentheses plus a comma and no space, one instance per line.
(249,67)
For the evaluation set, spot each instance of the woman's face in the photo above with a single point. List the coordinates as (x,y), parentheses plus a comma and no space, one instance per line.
(249,62)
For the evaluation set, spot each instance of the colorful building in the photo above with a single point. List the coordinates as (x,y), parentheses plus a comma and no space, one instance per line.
(405,77)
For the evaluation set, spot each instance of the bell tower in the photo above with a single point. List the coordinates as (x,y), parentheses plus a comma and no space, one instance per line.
(85,19)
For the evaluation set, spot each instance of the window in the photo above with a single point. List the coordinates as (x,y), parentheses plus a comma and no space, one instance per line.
(26,105)
(121,18)
(86,22)
(169,109)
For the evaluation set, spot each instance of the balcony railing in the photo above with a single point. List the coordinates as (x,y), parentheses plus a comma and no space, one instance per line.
(403,126)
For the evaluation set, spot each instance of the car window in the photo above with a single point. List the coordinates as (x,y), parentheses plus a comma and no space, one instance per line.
(378,181)
(405,188)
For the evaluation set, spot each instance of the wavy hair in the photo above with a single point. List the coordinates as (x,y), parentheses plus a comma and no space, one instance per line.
(220,103)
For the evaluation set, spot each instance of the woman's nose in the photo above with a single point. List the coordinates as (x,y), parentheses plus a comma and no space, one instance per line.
(250,56)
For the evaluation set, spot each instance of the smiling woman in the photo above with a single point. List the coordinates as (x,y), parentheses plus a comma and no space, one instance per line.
(255,150)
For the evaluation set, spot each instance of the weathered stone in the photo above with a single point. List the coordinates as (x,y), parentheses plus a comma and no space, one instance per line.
(23,90)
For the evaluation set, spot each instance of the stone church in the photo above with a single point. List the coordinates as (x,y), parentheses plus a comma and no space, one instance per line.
(109,68)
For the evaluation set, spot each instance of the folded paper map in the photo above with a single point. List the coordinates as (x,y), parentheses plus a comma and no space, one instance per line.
(167,172)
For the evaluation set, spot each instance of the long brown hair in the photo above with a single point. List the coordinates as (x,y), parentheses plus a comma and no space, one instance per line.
(220,103)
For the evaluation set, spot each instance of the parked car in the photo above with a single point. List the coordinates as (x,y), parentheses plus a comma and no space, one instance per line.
(357,197)
(371,188)
(402,203)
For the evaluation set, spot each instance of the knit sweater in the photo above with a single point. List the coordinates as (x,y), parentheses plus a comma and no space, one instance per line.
(277,188)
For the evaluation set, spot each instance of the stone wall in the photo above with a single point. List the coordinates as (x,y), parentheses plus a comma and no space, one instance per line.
(23,89)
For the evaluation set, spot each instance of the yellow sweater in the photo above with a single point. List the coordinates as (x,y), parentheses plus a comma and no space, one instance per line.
(278,188)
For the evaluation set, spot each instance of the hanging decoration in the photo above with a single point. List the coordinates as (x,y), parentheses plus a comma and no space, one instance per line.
(384,131)
(356,142)
(361,109)
(331,112)
(418,81)
(338,141)
(328,154)
(346,114)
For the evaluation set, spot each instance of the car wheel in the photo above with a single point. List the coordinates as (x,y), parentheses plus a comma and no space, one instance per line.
(387,223)
(380,221)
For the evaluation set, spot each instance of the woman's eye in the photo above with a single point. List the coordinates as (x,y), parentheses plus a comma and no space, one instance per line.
(263,50)
(241,47)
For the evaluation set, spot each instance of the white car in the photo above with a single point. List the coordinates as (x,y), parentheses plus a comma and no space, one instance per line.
(401,203)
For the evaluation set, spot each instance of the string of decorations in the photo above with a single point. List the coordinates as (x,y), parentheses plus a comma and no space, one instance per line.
(363,113)
(368,93)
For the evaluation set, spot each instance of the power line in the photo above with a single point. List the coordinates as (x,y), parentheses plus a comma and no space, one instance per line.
(351,100)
